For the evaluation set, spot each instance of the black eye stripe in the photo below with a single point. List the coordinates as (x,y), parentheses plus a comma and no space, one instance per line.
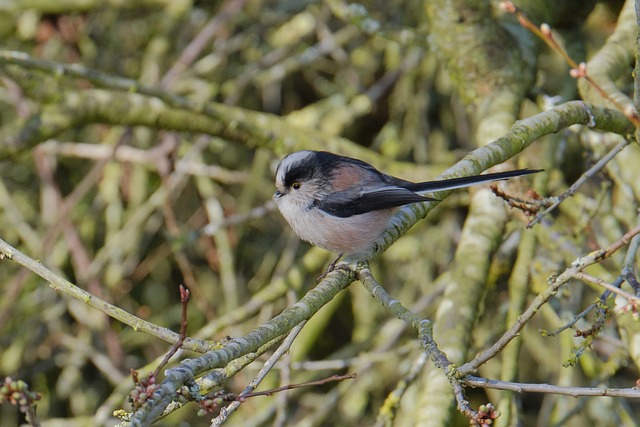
(296,174)
(307,170)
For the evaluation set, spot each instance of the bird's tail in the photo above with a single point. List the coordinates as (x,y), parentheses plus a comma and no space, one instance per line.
(466,181)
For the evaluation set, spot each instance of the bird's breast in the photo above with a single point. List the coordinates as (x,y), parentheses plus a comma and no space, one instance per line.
(341,235)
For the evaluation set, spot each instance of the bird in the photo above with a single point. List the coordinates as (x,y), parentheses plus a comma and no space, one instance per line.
(343,204)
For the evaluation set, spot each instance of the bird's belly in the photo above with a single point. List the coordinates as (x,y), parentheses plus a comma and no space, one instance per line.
(341,235)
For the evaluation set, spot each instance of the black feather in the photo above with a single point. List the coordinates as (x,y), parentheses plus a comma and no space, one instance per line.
(384,198)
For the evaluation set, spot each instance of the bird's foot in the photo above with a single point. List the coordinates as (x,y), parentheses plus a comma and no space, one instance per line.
(332,266)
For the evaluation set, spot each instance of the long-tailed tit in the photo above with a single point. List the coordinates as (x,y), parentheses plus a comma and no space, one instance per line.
(344,204)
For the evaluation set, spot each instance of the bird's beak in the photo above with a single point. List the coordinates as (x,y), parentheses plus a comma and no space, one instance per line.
(277,195)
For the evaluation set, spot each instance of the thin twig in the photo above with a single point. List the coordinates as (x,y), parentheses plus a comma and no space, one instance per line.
(584,313)
(472,381)
(323,381)
(583,178)
(269,364)
(554,285)
(64,286)
(425,332)
(577,70)
(184,299)
(528,207)
(608,286)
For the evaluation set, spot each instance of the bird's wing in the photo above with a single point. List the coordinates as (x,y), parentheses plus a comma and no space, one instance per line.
(396,192)
(380,198)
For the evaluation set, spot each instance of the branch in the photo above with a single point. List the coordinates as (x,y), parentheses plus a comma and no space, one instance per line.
(608,286)
(522,134)
(611,59)
(425,334)
(583,178)
(266,368)
(64,286)
(185,373)
(472,381)
(555,284)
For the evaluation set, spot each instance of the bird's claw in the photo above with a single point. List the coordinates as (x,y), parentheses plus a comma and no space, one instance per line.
(332,266)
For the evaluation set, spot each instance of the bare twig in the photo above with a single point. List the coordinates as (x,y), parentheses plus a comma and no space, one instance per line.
(272,391)
(555,284)
(472,381)
(425,334)
(577,70)
(583,178)
(184,299)
(64,286)
(608,286)
(580,315)
(529,207)
(284,347)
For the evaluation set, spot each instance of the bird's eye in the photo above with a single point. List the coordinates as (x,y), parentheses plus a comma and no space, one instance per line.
(296,185)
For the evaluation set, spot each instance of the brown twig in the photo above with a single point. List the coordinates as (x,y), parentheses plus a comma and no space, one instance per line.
(266,368)
(577,70)
(529,207)
(294,386)
(623,241)
(185,295)
(145,387)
